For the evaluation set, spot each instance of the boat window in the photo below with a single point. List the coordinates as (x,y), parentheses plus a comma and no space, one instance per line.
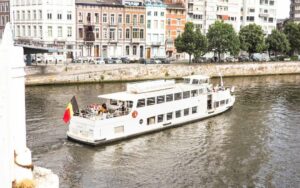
(195,81)
(113,102)
(169,115)
(194,93)
(217,104)
(141,103)
(186,80)
(177,96)
(203,81)
(150,101)
(160,118)
(178,113)
(186,94)
(200,91)
(186,112)
(119,129)
(222,102)
(160,99)
(150,120)
(129,104)
(169,97)
(227,101)
(194,109)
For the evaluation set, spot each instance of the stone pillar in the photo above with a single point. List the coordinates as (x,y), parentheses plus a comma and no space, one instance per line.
(14,59)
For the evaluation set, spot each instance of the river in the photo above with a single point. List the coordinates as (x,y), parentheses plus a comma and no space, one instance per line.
(256,144)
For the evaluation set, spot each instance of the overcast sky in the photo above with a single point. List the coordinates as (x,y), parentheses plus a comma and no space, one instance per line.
(283,8)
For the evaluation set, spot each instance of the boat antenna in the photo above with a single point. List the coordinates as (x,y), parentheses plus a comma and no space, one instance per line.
(222,84)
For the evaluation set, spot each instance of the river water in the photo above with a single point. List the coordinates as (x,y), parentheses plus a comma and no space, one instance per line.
(256,144)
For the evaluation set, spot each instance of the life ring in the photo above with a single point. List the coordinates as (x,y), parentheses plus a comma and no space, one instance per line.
(134,114)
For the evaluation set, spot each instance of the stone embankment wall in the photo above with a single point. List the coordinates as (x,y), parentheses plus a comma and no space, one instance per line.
(85,73)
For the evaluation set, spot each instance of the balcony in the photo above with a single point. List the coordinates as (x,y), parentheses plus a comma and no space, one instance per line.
(135,40)
(156,43)
(263,14)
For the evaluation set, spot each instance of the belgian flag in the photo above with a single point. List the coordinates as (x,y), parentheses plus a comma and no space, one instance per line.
(71,109)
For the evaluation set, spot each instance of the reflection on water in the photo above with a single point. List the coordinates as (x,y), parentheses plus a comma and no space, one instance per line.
(256,144)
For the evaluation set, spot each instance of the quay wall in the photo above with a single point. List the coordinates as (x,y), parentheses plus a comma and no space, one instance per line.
(87,73)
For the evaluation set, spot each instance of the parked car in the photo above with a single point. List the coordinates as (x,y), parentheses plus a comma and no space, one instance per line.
(259,57)
(99,61)
(108,60)
(243,58)
(164,60)
(116,60)
(230,59)
(125,60)
(143,61)
(155,61)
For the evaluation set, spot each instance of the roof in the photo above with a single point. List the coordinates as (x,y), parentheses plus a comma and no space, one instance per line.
(100,2)
(126,96)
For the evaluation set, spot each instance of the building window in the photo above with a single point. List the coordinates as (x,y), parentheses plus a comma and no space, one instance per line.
(112,19)
(127,33)
(40,15)
(97,33)
(155,13)
(149,13)
(23,15)
(28,15)
(41,31)
(34,15)
(96,17)
(134,52)
(49,16)
(135,33)
(120,33)
(80,17)
(148,24)
(142,33)
(104,19)
(49,31)
(69,15)
(80,31)
(29,31)
(127,18)
(112,34)
(142,19)
(169,21)
(34,31)
(59,16)
(59,31)
(162,24)
(127,53)
(104,33)
(134,19)
(162,14)
(120,18)
(69,31)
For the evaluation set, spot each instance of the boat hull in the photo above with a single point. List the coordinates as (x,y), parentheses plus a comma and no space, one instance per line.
(104,141)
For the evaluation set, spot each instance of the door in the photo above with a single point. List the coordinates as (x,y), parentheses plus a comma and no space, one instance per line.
(148,53)
(141,51)
(104,51)
(209,102)
(96,51)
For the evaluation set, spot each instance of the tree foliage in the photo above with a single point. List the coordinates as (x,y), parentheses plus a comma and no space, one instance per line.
(200,44)
(277,42)
(191,42)
(292,31)
(252,39)
(222,39)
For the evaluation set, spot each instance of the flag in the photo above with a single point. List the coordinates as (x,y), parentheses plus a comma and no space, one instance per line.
(72,108)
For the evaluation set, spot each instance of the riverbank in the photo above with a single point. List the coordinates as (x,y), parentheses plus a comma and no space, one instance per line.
(87,73)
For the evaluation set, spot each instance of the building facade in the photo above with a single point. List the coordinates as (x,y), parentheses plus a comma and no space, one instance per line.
(175,22)
(45,24)
(239,13)
(4,15)
(295,10)
(155,38)
(110,29)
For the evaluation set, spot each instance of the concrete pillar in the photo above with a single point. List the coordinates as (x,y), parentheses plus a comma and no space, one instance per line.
(6,140)
(14,60)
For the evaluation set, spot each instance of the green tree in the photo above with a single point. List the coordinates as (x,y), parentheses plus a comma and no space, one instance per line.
(292,31)
(200,44)
(186,41)
(252,39)
(277,42)
(222,39)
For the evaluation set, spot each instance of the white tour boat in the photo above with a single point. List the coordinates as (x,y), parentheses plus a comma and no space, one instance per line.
(147,107)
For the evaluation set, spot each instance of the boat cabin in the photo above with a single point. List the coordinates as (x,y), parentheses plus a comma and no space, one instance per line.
(196,80)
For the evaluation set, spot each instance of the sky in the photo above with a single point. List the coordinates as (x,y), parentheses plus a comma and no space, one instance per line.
(283,9)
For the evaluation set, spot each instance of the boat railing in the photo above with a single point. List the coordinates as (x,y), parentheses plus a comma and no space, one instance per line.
(95,114)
